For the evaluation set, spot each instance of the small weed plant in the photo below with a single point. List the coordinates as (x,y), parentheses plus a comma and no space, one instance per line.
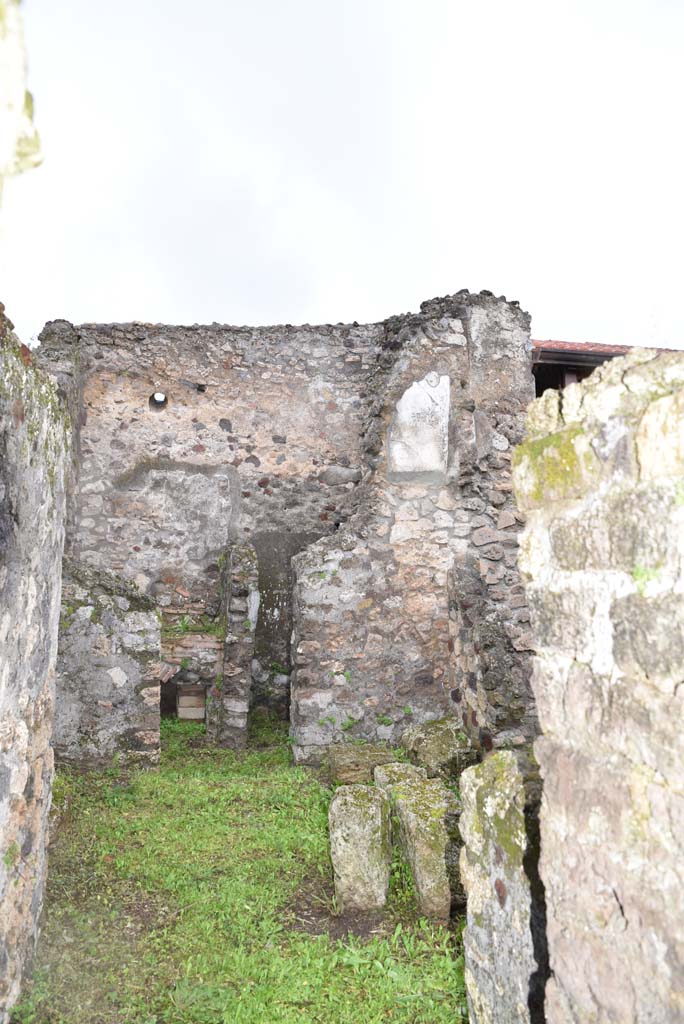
(173,900)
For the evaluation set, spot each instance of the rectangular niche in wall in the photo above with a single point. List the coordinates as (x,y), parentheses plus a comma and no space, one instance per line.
(418,442)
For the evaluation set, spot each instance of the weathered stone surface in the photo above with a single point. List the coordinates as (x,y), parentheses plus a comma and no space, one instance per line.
(427,816)
(384,613)
(399,433)
(388,775)
(604,558)
(354,762)
(360,847)
(441,747)
(418,440)
(501,968)
(34,440)
(108,672)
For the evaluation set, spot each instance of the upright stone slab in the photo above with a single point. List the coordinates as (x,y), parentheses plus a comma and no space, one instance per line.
(502,971)
(360,847)
(427,818)
(601,480)
(34,439)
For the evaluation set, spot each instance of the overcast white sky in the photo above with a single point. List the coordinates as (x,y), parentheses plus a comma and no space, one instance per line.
(266,161)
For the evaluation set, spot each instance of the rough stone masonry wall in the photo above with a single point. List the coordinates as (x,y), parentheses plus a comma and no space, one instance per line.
(256,442)
(414,608)
(601,480)
(399,434)
(33,439)
(107,671)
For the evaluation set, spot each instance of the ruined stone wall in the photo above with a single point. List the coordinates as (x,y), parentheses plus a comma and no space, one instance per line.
(108,673)
(384,623)
(389,442)
(256,441)
(601,480)
(33,440)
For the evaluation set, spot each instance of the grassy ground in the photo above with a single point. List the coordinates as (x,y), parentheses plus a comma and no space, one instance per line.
(194,895)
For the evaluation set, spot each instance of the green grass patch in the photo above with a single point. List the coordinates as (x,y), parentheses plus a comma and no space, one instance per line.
(173,899)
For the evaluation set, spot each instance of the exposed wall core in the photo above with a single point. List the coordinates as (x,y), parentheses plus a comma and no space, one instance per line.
(382,635)
(207,458)
(336,477)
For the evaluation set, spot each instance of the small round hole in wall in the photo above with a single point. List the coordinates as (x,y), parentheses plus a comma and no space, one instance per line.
(201,388)
(158,401)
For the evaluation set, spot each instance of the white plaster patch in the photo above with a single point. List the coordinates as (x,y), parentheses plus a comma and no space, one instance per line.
(118,676)
(253,602)
(418,443)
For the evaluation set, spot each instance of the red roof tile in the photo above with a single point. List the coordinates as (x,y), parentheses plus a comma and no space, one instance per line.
(581,347)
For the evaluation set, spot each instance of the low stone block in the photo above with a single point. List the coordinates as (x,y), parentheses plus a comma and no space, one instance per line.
(360,847)
(349,763)
(440,746)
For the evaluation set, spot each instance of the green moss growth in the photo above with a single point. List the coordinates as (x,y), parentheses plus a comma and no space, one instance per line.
(642,576)
(33,397)
(552,466)
(506,830)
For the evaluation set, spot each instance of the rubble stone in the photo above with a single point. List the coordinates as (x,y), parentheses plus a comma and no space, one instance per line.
(441,747)
(107,683)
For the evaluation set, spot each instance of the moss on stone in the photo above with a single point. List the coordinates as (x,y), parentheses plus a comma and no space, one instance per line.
(499,810)
(35,402)
(551,467)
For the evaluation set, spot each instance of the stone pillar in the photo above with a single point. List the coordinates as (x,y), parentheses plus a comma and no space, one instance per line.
(504,944)
(229,699)
(601,480)
(34,439)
